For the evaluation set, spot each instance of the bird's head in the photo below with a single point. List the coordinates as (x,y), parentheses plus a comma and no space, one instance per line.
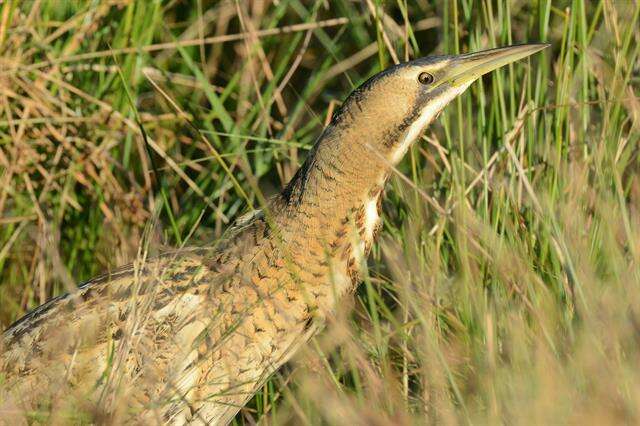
(380,120)
(391,109)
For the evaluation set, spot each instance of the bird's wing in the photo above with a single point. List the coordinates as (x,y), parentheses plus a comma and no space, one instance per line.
(165,332)
(159,279)
(148,314)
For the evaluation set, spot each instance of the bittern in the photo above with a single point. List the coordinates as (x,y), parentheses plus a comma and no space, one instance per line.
(189,336)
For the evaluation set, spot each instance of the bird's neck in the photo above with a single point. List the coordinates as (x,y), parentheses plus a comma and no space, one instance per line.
(342,175)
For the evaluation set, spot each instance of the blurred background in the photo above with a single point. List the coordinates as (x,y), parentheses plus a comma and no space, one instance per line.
(124,122)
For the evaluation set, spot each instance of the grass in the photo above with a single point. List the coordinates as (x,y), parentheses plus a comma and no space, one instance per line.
(520,303)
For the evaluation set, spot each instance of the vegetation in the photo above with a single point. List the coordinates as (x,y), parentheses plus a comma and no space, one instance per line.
(516,301)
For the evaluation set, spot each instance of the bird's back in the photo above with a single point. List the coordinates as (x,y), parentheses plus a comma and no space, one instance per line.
(182,337)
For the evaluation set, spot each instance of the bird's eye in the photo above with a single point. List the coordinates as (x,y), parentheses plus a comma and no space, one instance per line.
(425,78)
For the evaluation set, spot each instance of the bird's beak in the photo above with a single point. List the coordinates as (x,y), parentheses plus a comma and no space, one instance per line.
(469,67)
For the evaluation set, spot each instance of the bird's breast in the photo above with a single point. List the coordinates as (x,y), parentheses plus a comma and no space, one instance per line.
(368,224)
(371,218)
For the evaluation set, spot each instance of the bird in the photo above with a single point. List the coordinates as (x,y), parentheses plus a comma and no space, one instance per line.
(188,336)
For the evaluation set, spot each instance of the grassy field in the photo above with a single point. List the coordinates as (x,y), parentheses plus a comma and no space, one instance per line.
(519,304)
